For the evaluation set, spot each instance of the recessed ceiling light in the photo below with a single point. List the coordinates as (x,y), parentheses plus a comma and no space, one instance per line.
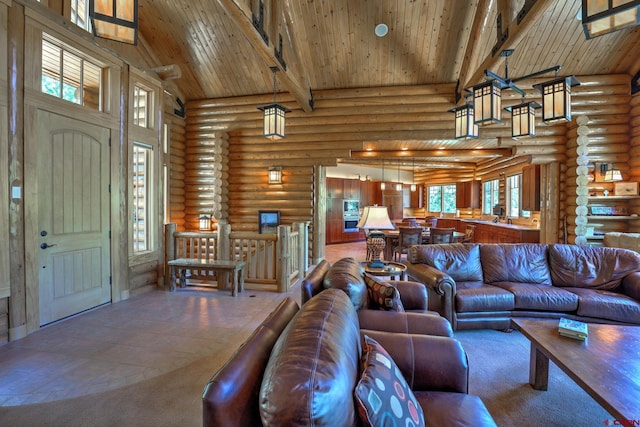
(405,148)
(381,30)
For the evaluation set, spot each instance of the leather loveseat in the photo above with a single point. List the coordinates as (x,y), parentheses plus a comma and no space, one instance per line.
(485,285)
(301,368)
(347,274)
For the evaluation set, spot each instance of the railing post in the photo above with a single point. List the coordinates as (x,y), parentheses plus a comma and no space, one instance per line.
(283,258)
(224,251)
(169,251)
(301,267)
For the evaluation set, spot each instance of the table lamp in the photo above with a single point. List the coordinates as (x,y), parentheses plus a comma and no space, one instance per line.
(374,219)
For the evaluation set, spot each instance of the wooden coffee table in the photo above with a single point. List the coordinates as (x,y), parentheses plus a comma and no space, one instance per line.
(606,365)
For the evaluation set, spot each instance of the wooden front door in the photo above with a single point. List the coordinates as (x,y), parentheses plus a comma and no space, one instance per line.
(73,216)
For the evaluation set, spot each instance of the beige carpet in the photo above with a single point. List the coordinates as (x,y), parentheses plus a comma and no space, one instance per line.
(499,374)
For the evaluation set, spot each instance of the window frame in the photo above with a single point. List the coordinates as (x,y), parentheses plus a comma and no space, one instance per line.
(513,182)
(492,189)
(446,193)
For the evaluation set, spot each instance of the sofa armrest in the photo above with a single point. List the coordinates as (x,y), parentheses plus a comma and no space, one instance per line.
(631,285)
(441,288)
(408,323)
(428,363)
(413,294)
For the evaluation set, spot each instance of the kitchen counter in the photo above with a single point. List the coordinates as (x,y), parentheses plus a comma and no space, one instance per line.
(488,231)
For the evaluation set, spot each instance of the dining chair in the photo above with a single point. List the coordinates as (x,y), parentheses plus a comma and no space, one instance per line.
(468,233)
(441,235)
(408,236)
(430,221)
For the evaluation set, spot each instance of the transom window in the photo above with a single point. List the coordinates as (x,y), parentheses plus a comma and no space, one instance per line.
(442,198)
(142,106)
(490,196)
(80,14)
(70,77)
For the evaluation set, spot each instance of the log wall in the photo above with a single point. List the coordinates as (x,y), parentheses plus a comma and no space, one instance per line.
(634,153)
(344,120)
(177,169)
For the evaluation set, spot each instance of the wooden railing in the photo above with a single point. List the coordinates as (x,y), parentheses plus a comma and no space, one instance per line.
(273,261)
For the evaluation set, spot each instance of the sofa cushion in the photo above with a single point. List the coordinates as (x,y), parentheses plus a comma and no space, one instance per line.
(590,266)
(478,296)
(524,263)
(346,274)
(313,367)
(382,394)
(460,261)
(602,304)
(382,296)
(532,296)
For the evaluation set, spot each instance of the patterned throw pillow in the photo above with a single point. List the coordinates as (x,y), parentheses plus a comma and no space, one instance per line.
(382,296)
(382,395)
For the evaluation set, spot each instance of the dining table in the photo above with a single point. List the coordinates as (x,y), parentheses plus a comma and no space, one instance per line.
(391,240)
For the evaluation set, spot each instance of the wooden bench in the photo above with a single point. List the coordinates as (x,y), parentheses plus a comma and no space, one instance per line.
(236,268)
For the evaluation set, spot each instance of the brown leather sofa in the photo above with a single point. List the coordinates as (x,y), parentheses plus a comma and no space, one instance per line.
(485,285)
(301,367)
(347,274)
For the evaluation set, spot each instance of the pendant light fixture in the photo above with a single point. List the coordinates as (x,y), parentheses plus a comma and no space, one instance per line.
(399,183)
(273,115)
(487,101)
(383,186)
(413,174)
(601,17)
(523,119)
(465,127)
(115,20)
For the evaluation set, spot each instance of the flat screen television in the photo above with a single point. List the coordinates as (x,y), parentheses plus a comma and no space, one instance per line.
(268,222)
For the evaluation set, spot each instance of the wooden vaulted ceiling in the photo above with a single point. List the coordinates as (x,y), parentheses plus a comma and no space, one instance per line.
(331,45)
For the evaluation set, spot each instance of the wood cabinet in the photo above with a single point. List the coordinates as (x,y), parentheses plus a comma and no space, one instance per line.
(500,233)
(468,194)
(531,188)
(351,189)
(392,199)
(412,199)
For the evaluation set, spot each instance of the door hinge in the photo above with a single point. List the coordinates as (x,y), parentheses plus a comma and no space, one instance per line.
(109,233)
(109,188)
(110,280)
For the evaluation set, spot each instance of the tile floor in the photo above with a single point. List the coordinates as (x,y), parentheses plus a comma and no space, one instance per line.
(134,340)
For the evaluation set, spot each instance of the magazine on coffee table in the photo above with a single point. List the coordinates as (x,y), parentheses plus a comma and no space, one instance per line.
(573,329)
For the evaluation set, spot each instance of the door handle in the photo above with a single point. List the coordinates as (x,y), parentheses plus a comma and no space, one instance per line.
(45,246)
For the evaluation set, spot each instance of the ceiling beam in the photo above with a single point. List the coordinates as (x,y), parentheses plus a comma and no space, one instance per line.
(517,32)
(241,14)
(496,152)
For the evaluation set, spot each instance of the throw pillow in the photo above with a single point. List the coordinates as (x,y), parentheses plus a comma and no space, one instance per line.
(382,394)
(382,296)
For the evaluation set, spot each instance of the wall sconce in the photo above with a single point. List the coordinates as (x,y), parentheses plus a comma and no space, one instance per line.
(275,175)
(205,222)
(465,127)
(273,115)
(523,119)
(602,17)
(609,173)
(115,20)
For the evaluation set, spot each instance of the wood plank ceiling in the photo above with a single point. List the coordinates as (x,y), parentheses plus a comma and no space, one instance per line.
(331,45)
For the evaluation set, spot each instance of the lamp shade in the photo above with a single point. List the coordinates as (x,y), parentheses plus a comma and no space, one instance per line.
(115,20)
(556,99)
(523,119)
(273,121)
(601,17)
(465,128)
(487,103)
(375,218)
(613,175)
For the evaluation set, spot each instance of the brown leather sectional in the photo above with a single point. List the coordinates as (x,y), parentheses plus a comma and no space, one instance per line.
(485,285)
(347,274)
(300,367)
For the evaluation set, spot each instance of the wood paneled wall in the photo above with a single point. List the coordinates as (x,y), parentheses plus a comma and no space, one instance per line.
(344,120)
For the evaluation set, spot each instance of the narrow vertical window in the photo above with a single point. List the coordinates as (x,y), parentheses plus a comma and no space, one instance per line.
(490,194)
(513,196)
(141,170)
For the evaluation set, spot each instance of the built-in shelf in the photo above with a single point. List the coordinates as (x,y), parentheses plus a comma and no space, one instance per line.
(614,217)
(613,197)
